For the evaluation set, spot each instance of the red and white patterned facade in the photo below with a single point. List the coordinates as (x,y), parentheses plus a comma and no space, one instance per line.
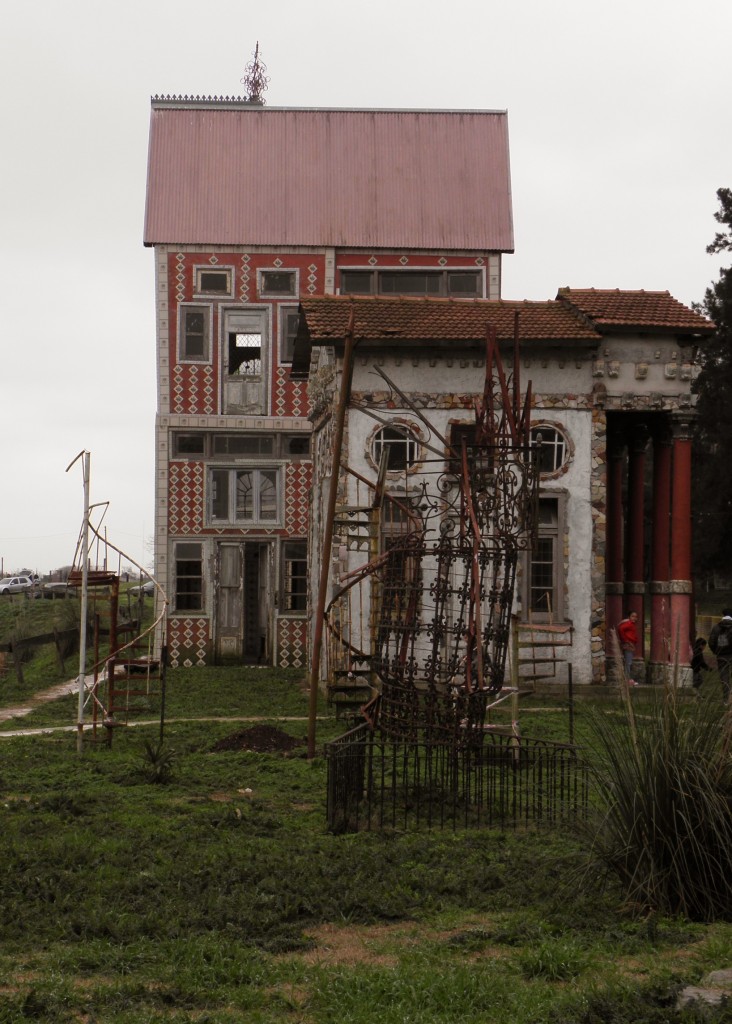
(233,468)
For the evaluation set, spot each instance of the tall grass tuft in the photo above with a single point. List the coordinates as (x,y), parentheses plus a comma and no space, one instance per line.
(664,780)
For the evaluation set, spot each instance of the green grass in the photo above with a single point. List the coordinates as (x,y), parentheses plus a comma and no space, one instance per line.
(128,901)
(23,615)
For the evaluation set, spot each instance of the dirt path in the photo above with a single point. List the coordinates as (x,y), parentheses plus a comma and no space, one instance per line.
(71,686)
(53,693)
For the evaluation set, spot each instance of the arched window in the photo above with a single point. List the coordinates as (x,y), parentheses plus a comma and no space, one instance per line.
(401,444)
(554,447)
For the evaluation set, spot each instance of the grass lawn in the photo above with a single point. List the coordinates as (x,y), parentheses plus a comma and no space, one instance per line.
(219,897)
(24,615)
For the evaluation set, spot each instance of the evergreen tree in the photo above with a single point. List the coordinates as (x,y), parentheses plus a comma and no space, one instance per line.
(712,499)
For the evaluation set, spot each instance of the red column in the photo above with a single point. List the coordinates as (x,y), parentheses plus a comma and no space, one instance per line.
(614,532)
(634,529)
(661,537)
(680,583)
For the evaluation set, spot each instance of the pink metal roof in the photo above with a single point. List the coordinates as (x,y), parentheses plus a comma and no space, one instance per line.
(232,174)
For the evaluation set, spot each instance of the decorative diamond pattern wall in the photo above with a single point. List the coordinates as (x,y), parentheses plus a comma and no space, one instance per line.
(187,642)
(292,643)
(185,505)
(245,277)
(297,490)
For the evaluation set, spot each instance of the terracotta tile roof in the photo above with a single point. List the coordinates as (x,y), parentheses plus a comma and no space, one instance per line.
(229,173)
(441,319)
(613,309)
(326,319)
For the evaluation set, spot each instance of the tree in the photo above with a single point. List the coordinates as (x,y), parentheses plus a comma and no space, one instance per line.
(713,436)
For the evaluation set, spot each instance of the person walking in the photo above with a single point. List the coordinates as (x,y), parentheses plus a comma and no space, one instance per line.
(720,644)
(628,637)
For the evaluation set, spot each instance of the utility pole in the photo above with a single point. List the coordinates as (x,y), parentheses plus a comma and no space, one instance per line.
(81,679)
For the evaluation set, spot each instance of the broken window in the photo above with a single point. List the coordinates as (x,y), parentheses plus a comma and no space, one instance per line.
(247,361)
(297,446)
(245,354)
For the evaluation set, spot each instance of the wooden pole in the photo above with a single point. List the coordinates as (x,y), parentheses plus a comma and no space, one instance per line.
(325,554)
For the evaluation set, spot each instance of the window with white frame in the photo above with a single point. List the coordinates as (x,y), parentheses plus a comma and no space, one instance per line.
(222,446)
(189,444)
(401,445)
(214,281)
(194,334)
(289,320)
(553,452)
(544,575)
(294,576)
(244,496)
(277,283)
(251,445)
(245,353)
(457,284)
(246,361)
(188,560)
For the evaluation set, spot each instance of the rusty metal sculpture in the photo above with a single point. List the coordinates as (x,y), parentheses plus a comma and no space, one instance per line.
(441,589)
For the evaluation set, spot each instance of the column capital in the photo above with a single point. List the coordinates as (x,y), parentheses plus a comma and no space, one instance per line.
(682,425)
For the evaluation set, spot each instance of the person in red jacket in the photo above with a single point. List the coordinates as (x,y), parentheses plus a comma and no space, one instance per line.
(628,637)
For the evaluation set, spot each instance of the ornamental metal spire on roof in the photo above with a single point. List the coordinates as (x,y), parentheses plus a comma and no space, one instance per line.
(255,80)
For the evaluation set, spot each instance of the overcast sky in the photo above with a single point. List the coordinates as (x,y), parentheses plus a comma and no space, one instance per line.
(620,134)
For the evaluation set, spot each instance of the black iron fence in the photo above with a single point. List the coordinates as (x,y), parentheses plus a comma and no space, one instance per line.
(504,781)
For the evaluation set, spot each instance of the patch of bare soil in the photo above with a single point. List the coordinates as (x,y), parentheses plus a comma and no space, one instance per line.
(262,739)
(353,945)
(372,944)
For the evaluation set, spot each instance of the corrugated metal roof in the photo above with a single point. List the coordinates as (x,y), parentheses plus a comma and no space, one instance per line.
(234,174)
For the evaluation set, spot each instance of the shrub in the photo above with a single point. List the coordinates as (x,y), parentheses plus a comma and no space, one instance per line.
(664,826)
(158,762)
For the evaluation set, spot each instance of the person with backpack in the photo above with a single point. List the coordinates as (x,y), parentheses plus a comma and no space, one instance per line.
(628,637)
(720,644)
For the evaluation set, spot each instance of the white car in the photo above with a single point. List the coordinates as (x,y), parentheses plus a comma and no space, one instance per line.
(15,584)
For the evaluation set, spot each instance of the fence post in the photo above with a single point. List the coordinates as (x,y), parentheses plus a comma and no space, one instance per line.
(59,651)
(570,694)
(18,662)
